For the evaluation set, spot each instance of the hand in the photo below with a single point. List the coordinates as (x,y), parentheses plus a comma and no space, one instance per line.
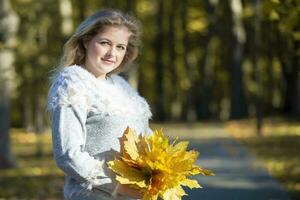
(128,191)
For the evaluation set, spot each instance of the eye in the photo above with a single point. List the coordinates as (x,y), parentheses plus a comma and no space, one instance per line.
(121,47)
(105,43)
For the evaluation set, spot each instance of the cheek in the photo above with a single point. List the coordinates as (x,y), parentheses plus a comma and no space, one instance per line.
(98,51)
(95,50)
(122,55)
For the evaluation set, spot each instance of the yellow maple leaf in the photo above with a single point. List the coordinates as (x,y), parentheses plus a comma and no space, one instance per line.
(174,193)
(154,166)
(128,174)
(129,144)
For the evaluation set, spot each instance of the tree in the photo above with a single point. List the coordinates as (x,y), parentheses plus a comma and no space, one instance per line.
(8,29)
(159,67)
(238,108)
(258,100)
(173,99)
(188,112)
(132,75)
(206,64)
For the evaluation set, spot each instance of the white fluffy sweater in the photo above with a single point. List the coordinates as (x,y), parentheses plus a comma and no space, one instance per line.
(88,116)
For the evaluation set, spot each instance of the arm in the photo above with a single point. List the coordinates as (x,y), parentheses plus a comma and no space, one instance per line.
(68,103)
(68,141)
(127,191)
(68,135)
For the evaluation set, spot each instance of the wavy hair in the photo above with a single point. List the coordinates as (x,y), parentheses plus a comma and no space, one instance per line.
(74,51)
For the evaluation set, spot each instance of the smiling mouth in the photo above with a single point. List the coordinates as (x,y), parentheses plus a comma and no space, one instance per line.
(108,61)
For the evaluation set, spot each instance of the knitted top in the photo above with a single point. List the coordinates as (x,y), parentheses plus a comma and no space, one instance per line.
(88,117)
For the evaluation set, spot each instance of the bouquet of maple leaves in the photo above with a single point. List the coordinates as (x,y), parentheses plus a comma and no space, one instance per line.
(155,167)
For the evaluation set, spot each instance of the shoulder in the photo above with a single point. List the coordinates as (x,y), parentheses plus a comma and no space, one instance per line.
(69,87)
(70,77)
(73,72)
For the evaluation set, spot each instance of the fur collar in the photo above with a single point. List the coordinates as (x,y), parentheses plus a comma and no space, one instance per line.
(74,85)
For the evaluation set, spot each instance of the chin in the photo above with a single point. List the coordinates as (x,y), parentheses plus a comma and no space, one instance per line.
(105,71)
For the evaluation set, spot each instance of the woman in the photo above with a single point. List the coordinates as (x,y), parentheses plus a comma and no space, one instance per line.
(91,106)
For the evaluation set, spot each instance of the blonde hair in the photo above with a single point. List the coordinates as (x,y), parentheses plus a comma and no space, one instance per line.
(74,51)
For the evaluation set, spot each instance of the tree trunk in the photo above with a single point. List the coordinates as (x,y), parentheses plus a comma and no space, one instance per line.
(173,98)
(39,124)
(238,106)
(189,110)
(259,95)
(292,78)
(205,65)
(8,30)
(131,6)
(206,70)
(159,67)
(296,103)
(81,7)
(109,3)
(65,8)
(39,115)
(27,111)
(132,74)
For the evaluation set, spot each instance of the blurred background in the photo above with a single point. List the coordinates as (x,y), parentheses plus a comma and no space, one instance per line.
(233,63)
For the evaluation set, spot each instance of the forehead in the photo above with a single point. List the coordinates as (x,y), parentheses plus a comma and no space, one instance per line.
(116,34)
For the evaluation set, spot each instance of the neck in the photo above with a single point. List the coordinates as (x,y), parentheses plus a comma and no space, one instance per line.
(97,74)
(102,77)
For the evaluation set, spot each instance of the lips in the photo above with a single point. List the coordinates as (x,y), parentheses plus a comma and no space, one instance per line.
(107,61)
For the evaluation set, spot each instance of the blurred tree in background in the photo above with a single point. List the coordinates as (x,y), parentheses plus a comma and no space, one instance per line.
(199,60)
(8,28)
(218,60)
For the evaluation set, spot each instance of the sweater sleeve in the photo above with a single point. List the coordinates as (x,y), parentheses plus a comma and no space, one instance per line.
(68,104)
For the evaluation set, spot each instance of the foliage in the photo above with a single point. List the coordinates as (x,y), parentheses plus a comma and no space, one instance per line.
(197,46)
(155,167)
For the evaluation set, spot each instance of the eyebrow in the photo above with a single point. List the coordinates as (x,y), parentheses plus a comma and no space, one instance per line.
(102,38)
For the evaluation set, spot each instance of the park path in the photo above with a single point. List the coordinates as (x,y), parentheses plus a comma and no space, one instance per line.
(238,175)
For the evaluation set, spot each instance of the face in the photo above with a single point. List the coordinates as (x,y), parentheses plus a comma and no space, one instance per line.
(106,50)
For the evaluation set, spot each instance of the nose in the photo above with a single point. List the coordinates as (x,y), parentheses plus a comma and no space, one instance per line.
(111,51)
